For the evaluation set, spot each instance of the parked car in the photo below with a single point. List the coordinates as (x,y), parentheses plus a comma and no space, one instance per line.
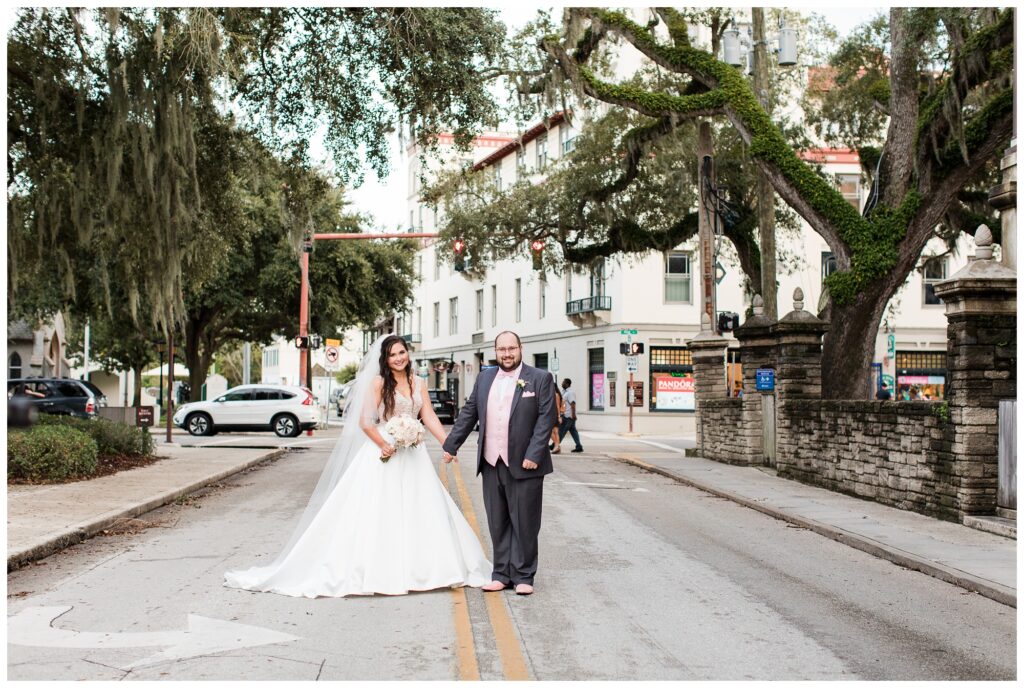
(285,410)
(341,399)
(56,395)
(444,405)
(101,398)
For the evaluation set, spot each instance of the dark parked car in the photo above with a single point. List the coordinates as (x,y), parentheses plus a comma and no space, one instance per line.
(59,396)
(101,398)
(444,405)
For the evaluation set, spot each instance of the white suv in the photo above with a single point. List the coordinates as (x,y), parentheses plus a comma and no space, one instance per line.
(284,409)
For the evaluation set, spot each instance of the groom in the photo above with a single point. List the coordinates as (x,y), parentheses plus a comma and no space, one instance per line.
(514,405)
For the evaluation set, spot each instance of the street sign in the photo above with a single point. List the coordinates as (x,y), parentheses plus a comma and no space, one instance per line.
(627,331)
(554,365)
(332,355)
(719,273)
(332,342)
(765,380)
(632,363)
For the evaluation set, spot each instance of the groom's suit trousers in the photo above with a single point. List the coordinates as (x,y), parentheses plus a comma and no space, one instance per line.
(513,518)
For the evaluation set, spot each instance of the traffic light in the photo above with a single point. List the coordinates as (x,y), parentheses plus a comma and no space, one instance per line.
(728,321)
(301,342)
(315,341)
(537,248)
(631,348)
(459,248)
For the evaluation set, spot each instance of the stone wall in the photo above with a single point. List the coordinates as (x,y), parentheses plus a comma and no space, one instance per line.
(895,453)
(724,420)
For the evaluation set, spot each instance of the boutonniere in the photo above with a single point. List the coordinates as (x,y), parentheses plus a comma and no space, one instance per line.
(521,384)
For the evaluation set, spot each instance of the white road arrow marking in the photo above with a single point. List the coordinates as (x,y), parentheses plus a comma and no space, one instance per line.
(204,636)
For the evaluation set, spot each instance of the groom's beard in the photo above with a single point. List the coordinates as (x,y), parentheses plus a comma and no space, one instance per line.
(509,368)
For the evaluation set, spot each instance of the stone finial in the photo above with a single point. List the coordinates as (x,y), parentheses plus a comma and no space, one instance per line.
(705,322)
(758,305)
(798,299)
(983,242)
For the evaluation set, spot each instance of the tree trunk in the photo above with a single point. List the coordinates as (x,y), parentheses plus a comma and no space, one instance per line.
(765,191)
(137,385)
(849,346)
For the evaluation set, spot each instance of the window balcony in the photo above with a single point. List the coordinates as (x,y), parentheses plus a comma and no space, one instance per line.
(412,338)
(589,312)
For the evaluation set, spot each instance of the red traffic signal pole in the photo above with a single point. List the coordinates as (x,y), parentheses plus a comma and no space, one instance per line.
(307,248)
(304,315)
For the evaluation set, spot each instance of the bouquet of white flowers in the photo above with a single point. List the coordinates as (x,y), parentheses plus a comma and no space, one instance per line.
(405,431)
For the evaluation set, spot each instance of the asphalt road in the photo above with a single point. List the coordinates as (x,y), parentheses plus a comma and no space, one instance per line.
(640,578)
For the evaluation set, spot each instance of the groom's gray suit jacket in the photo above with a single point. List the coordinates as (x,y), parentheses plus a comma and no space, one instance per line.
(529,427)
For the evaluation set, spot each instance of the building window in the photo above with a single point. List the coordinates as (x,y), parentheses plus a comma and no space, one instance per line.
(671,380)
(920,375)
(542,151)
(497,177)
(519,300)
(437,319)
(543,288)
(828,265)
(419,266)
(494,305)
(596,380)
(597,279)
(567,139)
(849,187)
(568,287)
(678,278)
(540,361)
(479,309)
(419,320)
(412,219)
(453,315)
(14,366)
(437,263)
(934,271)
(420,225)
(520,160)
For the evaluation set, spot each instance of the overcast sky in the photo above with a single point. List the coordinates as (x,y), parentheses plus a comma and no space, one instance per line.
(385,200)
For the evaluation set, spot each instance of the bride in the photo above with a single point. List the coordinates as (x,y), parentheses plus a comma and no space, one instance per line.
(373,526)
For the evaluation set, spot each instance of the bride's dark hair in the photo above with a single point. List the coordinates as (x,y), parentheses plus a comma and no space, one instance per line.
(388,392)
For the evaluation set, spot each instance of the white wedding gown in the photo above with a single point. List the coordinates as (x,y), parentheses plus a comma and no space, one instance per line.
(387,528)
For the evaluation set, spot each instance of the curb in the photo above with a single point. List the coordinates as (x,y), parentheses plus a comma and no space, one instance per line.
(993,591)
(72,535)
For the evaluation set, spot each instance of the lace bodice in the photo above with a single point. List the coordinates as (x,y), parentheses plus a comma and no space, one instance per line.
(403,405)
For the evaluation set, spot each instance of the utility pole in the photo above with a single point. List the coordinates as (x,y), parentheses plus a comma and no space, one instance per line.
(765,192)
(307,248)
(706,221)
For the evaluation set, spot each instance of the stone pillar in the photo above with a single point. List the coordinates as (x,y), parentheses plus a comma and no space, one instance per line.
(799,333)
(757,350)
(708,352)
(981,312)
(1004,199)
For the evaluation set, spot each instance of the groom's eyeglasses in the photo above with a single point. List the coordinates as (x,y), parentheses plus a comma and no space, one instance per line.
(507,349)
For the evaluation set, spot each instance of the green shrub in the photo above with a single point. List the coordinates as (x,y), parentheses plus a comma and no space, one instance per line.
(50,452)
(112,438)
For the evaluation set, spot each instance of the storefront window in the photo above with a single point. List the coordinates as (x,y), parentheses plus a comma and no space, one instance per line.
(596,366)
(920,375)
(672,383)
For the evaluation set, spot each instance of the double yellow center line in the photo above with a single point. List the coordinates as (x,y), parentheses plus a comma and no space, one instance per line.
(513,665)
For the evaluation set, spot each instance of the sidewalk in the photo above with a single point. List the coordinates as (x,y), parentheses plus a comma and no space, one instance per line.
(972,559)
(43,519)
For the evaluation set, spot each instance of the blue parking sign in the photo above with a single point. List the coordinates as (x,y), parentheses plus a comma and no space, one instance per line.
(765,380)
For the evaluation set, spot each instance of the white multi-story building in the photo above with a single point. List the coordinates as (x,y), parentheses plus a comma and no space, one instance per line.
(573,324)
